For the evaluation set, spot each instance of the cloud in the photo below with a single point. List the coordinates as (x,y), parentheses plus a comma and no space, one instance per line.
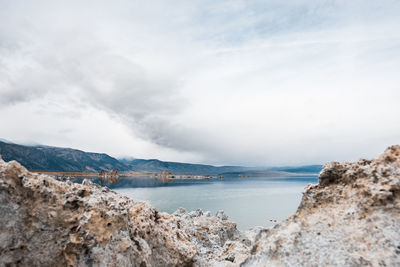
(84,69)
(227,82)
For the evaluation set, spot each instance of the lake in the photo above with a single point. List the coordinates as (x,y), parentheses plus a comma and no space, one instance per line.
(247,201)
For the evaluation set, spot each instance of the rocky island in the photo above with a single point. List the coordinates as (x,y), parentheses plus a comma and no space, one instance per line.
(350,218)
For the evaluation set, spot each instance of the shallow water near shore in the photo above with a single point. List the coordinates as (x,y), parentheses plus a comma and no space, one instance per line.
(248,201)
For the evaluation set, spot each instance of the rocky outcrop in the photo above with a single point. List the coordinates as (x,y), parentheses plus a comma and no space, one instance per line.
(45,222)
(351,218)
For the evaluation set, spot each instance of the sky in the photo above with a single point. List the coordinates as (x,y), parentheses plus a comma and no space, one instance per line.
(257,83)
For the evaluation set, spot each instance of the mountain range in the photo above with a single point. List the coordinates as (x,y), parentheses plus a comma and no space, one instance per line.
(48,158)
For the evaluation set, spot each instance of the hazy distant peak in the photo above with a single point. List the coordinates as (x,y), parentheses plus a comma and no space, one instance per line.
(5,141)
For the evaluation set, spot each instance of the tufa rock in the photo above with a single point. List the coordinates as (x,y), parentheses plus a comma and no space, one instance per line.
(46,222)
(351,218)
(221,215)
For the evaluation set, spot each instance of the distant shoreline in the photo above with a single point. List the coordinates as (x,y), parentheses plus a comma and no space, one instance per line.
(161,176)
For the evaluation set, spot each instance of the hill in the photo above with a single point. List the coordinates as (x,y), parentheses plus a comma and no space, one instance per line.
(46,158)
(300,169)
(155,165)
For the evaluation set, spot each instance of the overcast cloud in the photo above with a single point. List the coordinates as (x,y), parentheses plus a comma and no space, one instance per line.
(220,82)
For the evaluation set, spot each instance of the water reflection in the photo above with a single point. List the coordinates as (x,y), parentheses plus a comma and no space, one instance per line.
(143,181)
(248,201)
(149,181)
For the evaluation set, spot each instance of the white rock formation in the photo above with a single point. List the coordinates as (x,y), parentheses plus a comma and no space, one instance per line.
(45,222)
(351,218)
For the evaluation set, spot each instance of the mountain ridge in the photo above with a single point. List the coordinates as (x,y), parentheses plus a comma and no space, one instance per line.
(49,158)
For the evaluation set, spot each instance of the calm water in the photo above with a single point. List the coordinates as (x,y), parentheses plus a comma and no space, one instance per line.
(248,201)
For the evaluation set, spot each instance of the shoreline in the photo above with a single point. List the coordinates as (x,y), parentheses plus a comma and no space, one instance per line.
(160,176)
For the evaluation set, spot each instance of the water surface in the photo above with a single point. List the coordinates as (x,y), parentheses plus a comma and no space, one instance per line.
(248,201)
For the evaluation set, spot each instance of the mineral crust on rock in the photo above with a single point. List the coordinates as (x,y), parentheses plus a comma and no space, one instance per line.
(45,222)
(351,218)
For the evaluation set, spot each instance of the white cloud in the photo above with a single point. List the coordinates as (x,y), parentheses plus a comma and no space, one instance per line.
(227,82)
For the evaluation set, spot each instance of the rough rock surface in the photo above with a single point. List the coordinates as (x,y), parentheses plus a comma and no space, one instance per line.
(45,222)
(351,218)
